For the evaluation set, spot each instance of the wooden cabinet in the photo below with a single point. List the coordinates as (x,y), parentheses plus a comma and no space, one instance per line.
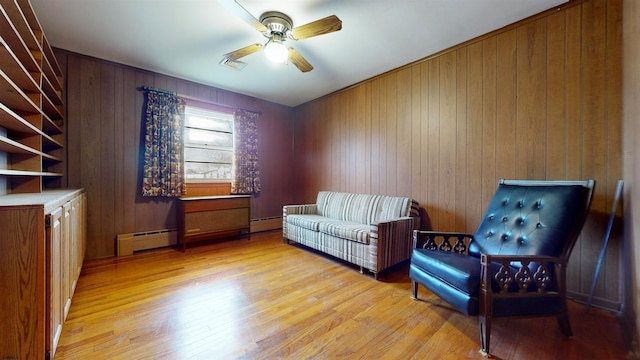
(206,216)
(31,105)
(41,251)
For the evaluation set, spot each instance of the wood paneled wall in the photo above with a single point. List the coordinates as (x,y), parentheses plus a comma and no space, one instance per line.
(631,161)
(540,99)
(104,122)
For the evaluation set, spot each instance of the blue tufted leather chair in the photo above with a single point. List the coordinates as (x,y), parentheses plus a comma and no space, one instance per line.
(515,262)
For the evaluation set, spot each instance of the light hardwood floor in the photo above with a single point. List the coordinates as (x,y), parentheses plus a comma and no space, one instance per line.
(264,299)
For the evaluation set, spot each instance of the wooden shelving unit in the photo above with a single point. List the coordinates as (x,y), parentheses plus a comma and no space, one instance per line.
(31,103)
(43,244)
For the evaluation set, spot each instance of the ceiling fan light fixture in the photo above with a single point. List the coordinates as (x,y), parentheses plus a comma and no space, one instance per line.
(276,51)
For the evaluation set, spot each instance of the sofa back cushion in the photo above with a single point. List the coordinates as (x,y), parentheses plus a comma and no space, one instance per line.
(362,208)
(391,207)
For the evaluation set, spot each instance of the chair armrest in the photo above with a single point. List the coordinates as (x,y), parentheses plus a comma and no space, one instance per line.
(434,240)
(534,270)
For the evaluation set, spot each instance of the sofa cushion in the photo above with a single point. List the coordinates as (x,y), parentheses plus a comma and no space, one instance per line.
(306,221)
(346,230)
(345,206)
(389,207)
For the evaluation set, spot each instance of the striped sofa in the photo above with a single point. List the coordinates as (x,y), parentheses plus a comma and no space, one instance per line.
(372,231)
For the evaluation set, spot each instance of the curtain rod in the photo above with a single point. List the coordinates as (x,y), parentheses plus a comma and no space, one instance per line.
(187,97)
(161,91)
(192,98)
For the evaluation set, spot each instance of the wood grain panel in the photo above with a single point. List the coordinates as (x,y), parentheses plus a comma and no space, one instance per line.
(448,148)
(557,125)
(613,75)
(474,138)
(423,149)
(22,261)
(489,126)
(391,135)
(416,129)
(403,146)
(506,106)
(462,173)
(594,138)
(631,164)
(531,90)
(433,143)
(539,99)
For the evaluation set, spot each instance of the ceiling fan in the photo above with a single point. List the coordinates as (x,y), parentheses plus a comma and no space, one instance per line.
(277,28)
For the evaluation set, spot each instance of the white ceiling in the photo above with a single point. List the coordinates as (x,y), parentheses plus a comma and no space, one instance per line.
(187,38)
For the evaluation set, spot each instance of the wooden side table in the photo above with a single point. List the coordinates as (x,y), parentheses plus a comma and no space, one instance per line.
(204,217)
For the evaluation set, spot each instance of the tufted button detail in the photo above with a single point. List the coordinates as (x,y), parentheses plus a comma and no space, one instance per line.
(491,217)
(520,203)
(505,202)
(539,204)
(505,237)
(521,221)
(539,225)
(490,233)
(504,219)
(521,241)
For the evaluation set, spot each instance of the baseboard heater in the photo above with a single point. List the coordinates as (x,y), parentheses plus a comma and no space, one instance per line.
(264,224)
(128,243)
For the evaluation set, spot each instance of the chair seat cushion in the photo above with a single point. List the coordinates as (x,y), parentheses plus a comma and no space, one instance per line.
(459,271)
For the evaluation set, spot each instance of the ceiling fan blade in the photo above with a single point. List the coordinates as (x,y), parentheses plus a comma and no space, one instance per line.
(240,53)
(323,26)
(242,13)
(301,63)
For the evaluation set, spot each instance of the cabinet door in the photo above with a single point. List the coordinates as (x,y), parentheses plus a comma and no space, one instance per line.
(77,240)
(22,304)
(66,246)
(54,280)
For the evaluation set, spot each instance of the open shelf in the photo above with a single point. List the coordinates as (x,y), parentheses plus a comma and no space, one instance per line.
(12,38)
(32,107)
(14,147)
(12,121)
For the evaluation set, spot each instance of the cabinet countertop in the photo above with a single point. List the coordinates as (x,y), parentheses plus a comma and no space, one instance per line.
(214,197)
(49,199)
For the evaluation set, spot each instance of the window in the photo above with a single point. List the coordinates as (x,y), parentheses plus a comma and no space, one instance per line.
(208,144)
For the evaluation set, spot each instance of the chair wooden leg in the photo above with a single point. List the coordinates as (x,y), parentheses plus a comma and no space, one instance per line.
(564,324)
(414,289)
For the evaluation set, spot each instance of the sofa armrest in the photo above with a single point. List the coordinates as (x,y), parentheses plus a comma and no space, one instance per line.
(442,241)
(393,240)
(295,210)
(299,209)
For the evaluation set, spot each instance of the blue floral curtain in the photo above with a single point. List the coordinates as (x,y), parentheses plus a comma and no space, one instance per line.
(246,177)
(163,172)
